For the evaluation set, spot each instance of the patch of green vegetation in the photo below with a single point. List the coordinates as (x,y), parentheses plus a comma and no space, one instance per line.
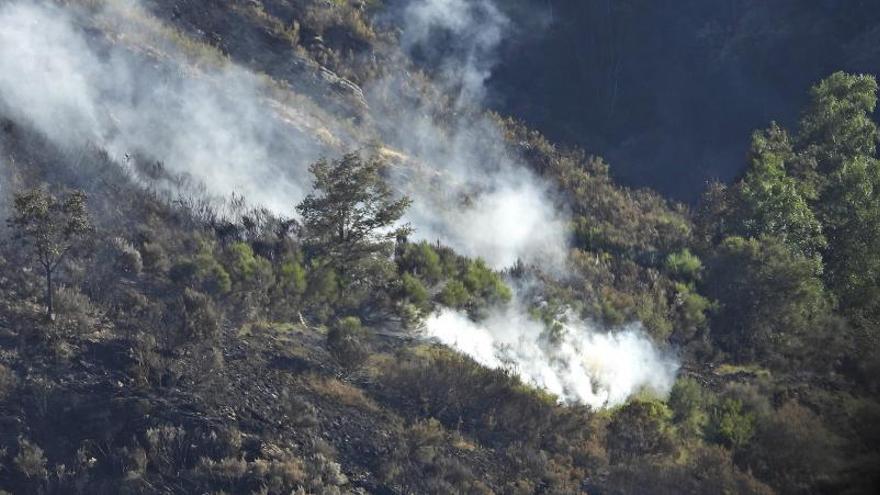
(747,369)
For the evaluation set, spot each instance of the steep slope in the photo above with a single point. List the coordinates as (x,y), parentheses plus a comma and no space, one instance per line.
(208,339)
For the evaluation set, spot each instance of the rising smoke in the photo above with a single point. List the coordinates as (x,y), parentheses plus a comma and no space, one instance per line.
(509,214)
(213,123)
(576,361)
(221,125)
(514,217)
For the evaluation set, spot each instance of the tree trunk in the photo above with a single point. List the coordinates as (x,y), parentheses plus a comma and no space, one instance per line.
(50,305)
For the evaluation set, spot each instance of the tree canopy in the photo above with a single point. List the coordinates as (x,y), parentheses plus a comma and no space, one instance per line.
(50,227)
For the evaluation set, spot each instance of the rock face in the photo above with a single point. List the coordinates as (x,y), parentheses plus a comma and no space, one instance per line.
(344,88)
(258,42)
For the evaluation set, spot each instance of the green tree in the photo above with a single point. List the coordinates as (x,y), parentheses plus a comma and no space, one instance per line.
(769,297)
(51,228)
(794,451)
(850,207)
(454,294)
(414,291)
(837,125)
(839,142)
(773,203)
(350,218)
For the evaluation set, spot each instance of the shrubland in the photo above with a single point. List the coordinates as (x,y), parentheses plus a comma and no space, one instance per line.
(194,348)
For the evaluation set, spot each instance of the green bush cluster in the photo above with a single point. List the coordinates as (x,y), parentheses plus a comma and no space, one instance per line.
(437,275)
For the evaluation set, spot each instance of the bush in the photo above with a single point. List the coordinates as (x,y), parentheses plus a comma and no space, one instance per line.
(414,291)
(300,412)
(683,265)
(793,451)
(126,259)
(154,258)
(200,318)
(454,294)
(147,365)
(169,449)
(30,460)
(75,310)
(345,343)
(688,402)
(638,429)
(8,382)
(212,277)
(731,425)
(492,405)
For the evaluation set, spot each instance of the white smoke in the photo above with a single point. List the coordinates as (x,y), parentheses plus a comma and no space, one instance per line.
(489,204)
(510,214)
(221,125)
(473,30)
(578,362)
(216,124)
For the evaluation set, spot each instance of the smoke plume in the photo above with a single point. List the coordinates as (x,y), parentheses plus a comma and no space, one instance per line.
(130,89)
(577,361)
(511,215)
(216,124)
(489,204)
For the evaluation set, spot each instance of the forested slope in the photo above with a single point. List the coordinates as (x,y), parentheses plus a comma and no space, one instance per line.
(192,340)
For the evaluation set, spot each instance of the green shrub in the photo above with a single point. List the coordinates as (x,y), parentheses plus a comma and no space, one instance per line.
(454,294)
(683,265)
(731,425)
(323,292)
(203,272)
(691,312)
(483,282)
(292,278)
(688,401)
(414,291)
(212,277)
(422,261)
(245,267)
(638,429)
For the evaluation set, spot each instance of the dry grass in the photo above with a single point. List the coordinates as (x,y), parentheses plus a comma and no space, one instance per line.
(128,24)
(748,369)
(341,392)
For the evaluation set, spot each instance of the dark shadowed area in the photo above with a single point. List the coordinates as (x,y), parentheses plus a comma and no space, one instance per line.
(668,92)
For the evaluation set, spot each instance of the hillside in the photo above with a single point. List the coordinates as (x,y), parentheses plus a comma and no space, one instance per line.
(281,246)
(669,91)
